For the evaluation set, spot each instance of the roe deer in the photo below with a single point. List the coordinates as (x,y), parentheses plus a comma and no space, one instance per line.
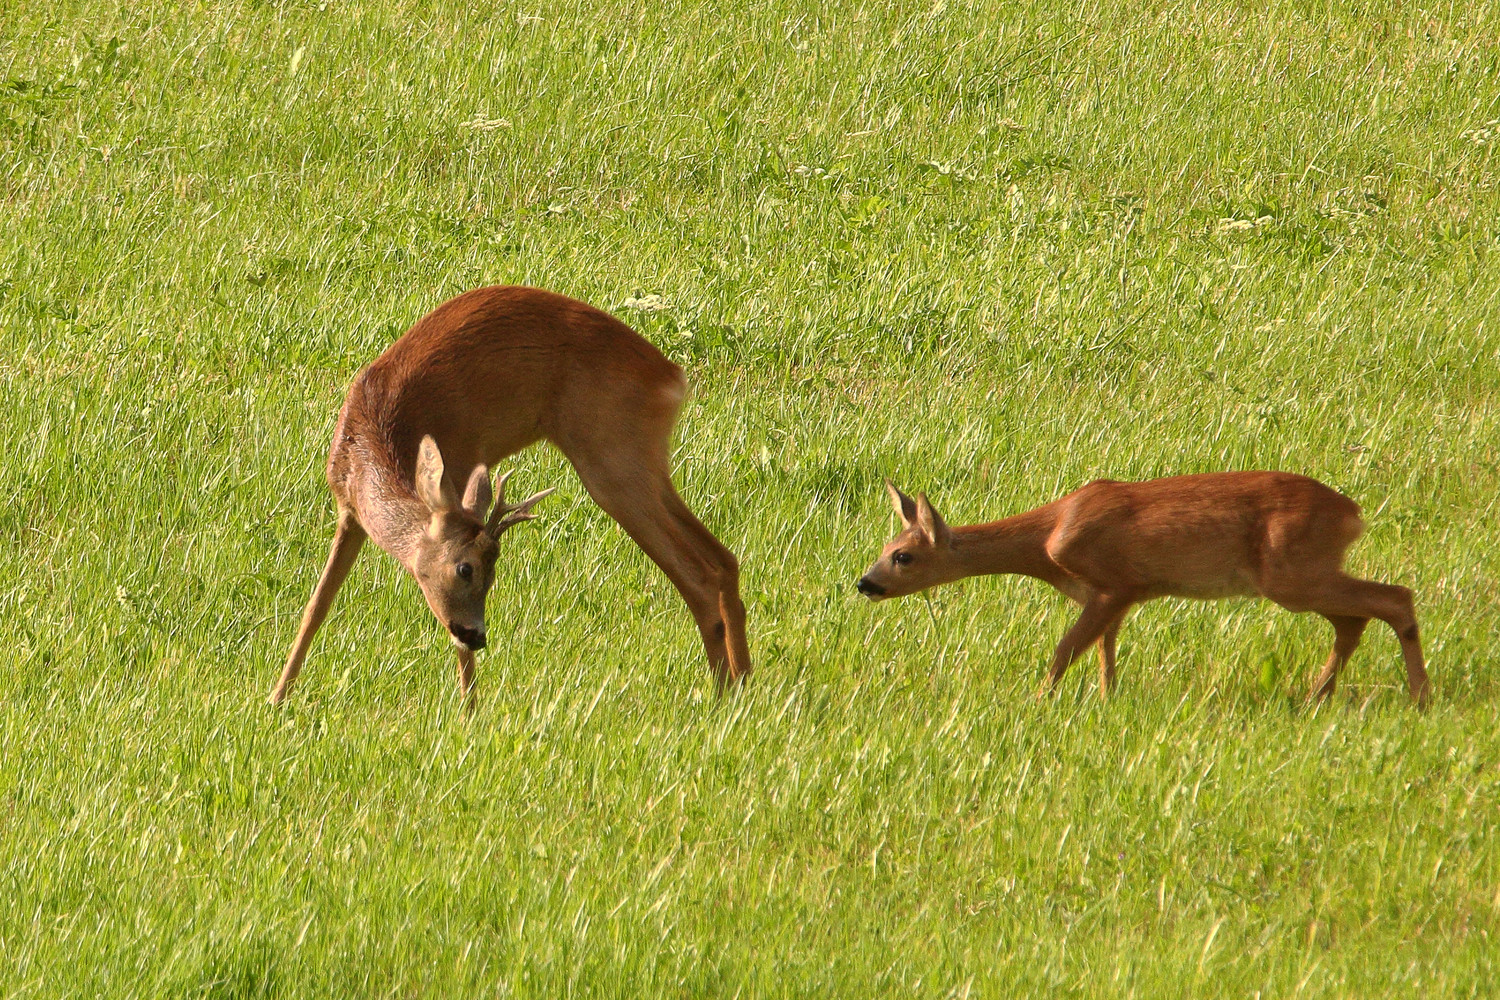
(480,377)
(1111,545)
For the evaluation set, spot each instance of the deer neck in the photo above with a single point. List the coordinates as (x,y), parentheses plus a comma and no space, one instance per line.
(1014,545)
(389,509)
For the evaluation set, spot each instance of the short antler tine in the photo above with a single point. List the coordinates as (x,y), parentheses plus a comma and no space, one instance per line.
(505,514)
(524,507)
(500,487)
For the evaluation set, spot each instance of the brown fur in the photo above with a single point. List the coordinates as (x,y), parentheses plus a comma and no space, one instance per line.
(1111,545)
(484,375)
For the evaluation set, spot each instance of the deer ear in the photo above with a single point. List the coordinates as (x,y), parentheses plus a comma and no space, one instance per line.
(477,495)
(931,522)
(431,487)
(904,505)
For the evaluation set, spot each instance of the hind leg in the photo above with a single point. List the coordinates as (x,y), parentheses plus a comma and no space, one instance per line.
(635,488)
(704,572)
(1347,630)
(615,425)
(1402,618)
(1347,597)
(723,628)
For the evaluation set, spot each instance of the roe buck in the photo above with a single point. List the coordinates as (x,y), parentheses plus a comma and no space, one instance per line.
(1111,545)
(480,377)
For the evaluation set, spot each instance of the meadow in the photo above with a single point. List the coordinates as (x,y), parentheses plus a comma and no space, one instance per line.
(991,250)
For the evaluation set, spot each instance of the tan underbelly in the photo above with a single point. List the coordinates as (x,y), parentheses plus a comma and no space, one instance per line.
(1211,590)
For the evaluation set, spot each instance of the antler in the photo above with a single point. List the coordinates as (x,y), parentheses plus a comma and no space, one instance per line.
(505,515)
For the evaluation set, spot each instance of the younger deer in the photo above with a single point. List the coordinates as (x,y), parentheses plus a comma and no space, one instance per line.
(1111,545)
(479,378)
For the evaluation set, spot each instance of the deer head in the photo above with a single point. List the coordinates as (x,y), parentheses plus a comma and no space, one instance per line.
(921,556)
(455,557)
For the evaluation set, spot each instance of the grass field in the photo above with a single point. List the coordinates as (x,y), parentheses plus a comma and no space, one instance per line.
(994,250)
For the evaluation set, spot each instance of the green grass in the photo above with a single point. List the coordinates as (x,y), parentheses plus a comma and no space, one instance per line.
(993,250)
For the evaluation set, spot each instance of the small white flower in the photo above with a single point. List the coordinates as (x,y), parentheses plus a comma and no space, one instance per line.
(647,303)
(1484,135)
(479,123)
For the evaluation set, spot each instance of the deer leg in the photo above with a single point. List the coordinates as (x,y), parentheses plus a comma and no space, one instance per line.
(707,576)
(1348,597)
(729,629)
(1346,632)
(347,539)
(1398,611)
(704,572)
(1100,611)
(1078,593)
(466,679)
(1107,657)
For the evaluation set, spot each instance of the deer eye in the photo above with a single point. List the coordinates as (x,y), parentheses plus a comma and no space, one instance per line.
(900,557)
(464,571)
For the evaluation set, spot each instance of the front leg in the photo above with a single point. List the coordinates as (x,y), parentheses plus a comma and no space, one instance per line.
(347,539)
(466,679)
(1100,611)
(1107,658)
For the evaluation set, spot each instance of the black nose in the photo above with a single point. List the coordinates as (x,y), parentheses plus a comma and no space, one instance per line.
(472,638)
(869,588)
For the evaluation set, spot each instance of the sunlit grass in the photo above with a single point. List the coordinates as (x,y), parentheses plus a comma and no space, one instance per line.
(993,251)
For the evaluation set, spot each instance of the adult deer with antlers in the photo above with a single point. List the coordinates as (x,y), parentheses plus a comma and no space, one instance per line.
(480,377)
(1111,545)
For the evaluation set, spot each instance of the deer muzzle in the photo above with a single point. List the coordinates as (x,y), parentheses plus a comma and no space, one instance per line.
(471,639)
